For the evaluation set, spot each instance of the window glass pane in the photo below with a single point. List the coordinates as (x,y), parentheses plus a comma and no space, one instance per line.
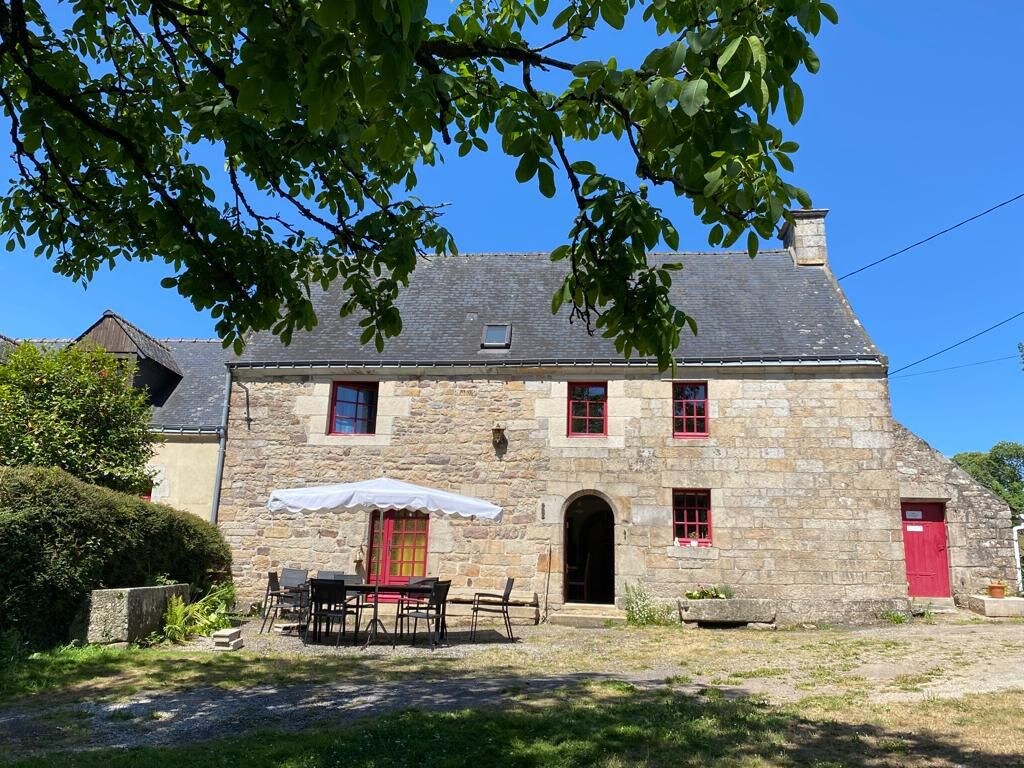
(496,334)
(595,426)
(579,426)
(578,408)
(595,392)
(597,410)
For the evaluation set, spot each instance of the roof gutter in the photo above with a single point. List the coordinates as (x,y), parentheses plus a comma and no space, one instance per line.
(183,430)
(219,474)
(853,360)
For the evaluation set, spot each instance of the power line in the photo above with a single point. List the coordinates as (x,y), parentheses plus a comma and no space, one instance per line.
(956,367)
(954,346)
(932,237)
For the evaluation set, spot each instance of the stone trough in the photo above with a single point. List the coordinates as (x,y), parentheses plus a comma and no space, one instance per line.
(121,616)
(730,612)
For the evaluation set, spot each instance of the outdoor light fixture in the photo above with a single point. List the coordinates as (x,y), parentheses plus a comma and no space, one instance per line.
(498,436)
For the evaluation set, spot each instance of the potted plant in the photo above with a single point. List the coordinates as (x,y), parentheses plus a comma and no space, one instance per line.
(997,588)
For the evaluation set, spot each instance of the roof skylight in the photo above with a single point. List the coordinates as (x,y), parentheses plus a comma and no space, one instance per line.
(497,336)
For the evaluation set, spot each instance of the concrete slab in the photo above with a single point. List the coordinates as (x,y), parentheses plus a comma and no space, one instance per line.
(736,610)
(997,607)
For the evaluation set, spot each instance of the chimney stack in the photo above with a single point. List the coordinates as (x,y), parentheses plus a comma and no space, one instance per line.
(804,237)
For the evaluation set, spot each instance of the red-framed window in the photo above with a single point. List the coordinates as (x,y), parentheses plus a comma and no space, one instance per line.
(353,408)
(398,549)
(588,409)
(690,409)
(691,517)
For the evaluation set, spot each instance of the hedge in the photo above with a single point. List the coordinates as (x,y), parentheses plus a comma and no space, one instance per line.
(60,538)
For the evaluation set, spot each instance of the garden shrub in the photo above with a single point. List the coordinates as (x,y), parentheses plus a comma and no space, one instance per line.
(62,538)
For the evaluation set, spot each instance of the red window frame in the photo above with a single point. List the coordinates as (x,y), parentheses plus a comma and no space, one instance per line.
(690,416)
(691,516)
(405,539)
(582,410)
(365,413)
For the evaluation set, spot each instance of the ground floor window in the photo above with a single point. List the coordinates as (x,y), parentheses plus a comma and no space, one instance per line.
(691,514)
(398,547)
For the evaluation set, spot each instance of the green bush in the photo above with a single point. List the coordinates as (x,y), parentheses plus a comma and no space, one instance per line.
(61,538)
(641,610)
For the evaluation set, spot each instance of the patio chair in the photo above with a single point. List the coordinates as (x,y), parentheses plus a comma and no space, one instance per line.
(283,596)
(407,601)
(327,604)
(489,602)
(432,613)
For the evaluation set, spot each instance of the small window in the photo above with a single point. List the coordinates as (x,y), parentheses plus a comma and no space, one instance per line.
(496,337)
(353,408)
(690,409)
(691,516)
(588,409)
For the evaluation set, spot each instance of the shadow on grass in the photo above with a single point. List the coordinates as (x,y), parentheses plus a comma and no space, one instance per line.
(591,724)
(110,673)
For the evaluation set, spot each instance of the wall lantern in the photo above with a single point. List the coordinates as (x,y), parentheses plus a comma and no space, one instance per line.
(498,438)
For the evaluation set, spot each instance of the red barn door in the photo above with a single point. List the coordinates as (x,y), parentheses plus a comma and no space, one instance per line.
(924,542)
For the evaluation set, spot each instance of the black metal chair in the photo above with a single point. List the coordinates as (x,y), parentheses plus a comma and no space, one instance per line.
(409,602)
(433,613)
(328,603)
(285,595)
(489,602)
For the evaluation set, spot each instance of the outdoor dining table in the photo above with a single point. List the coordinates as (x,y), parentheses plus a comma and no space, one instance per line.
(400,590)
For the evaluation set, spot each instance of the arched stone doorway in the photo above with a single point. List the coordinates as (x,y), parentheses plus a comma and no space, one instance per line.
(589,548)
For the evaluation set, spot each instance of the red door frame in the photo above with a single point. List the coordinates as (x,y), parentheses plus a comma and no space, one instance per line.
(926,548)
(391,517)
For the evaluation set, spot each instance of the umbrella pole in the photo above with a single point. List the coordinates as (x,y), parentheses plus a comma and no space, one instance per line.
(372,634)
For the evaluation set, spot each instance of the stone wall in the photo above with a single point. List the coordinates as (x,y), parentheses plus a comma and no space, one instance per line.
(978,523)
(186,472)
(128,615)
(800,466)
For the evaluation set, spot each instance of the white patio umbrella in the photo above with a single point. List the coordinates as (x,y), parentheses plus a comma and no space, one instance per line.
(380,495)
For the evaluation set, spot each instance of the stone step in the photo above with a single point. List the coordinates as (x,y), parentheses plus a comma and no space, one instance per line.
(227,635)
(231,645)
(921,605)
(587,615)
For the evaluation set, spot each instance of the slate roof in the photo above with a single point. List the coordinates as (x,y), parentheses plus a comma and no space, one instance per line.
(746,310)
(6,343)
(197,401)
(146,345)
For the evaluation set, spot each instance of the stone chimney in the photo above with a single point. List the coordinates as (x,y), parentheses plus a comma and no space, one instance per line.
(804,237)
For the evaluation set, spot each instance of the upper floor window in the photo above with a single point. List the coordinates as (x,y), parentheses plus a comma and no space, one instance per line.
(691,517)
(353,408)
(690,409)
(588,409)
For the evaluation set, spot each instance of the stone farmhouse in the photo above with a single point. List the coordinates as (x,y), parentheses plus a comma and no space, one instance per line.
(768,461)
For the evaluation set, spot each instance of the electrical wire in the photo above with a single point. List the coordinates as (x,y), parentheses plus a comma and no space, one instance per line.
(956,367)
(959,343)
(932,237)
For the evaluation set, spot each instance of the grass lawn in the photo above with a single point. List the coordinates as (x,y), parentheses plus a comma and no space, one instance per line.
(912,696)
(613,725)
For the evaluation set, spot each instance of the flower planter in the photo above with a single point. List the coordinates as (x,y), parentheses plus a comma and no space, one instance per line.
(735,610)
(997,590)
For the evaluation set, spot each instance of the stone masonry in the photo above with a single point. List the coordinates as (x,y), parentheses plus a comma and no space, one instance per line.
(800,463)
(978,523)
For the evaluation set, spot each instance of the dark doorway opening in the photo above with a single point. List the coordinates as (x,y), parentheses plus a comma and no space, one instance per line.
(589,551)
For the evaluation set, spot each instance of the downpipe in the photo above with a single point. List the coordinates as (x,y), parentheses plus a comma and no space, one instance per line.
(219,475)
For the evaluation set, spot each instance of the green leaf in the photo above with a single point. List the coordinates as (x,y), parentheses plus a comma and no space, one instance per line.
(527,167)
(546,180)
(693,97)
(828,12)
(752,244)
(811,61)
(728,53)
(794,97)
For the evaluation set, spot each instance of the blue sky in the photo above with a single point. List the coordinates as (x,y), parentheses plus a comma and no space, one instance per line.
(913,124)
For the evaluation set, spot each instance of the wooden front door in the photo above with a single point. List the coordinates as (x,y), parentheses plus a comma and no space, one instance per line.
(924,543)
(404,551)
